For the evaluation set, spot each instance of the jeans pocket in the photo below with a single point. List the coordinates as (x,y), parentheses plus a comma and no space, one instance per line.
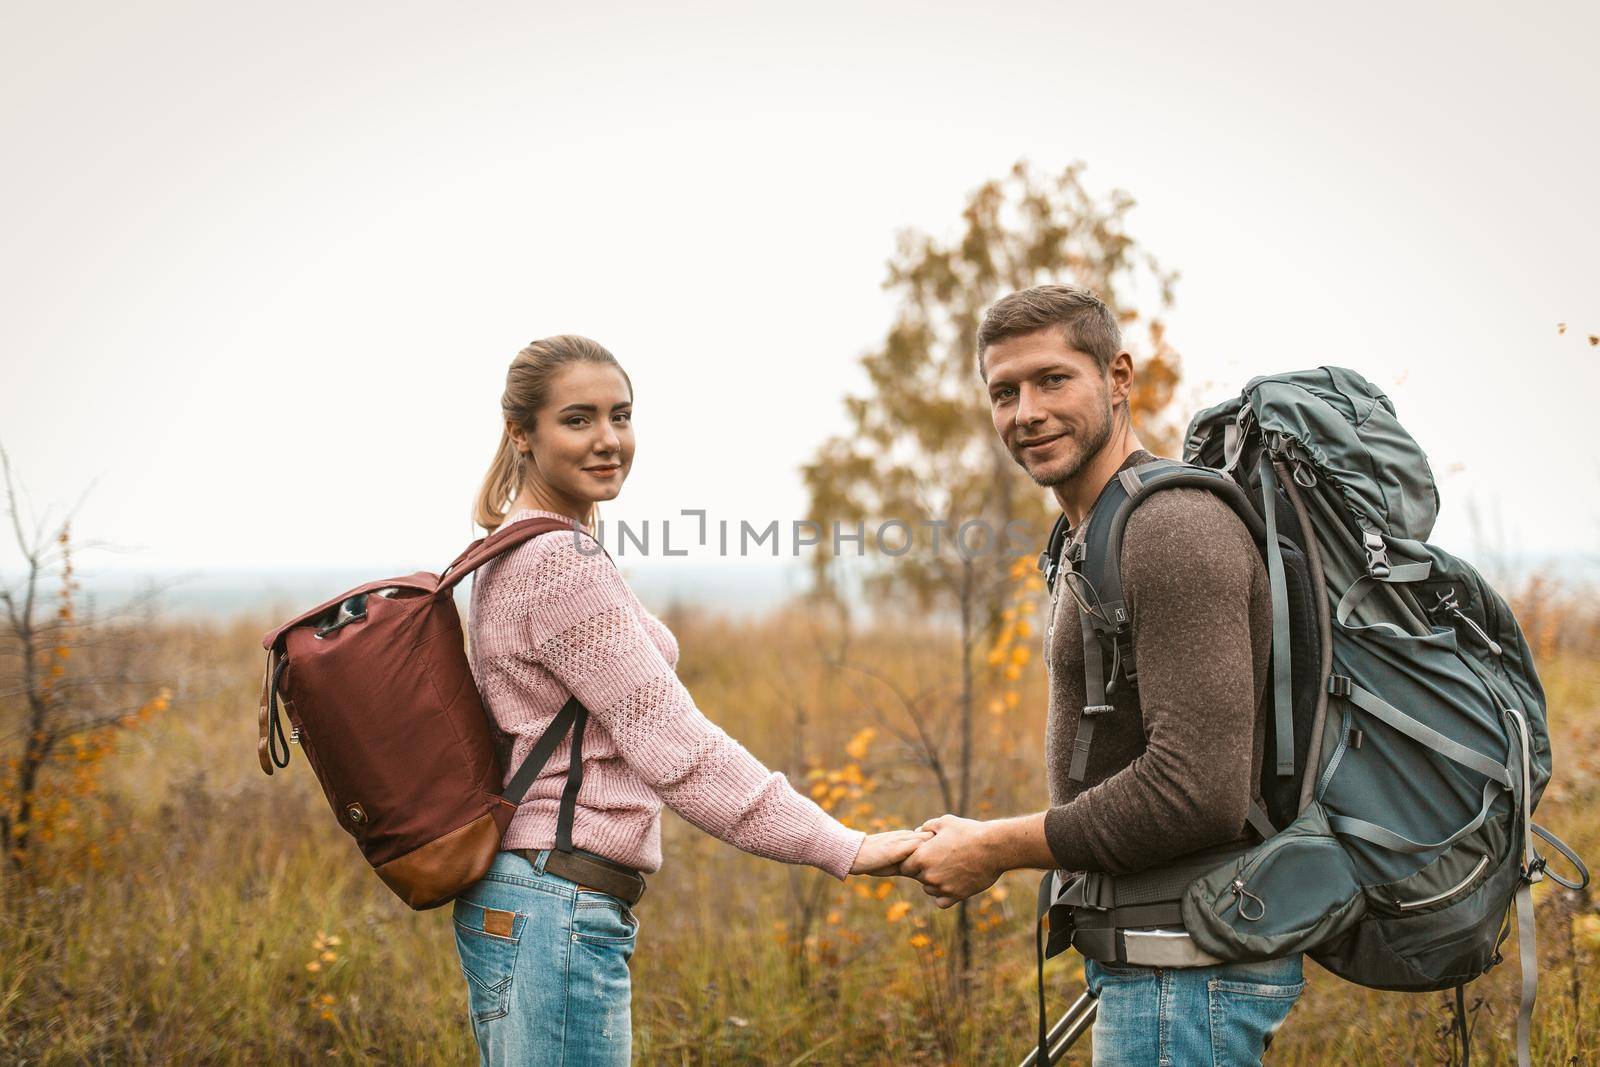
(487,943)
(1245,1015)
(602,919)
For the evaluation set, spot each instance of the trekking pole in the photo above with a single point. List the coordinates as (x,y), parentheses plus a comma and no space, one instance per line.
(1065,1033)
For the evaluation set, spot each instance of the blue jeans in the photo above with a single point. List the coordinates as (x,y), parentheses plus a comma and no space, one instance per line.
(1221,1016)
(546,968)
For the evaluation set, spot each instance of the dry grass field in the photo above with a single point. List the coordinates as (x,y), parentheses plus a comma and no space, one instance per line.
(222,917)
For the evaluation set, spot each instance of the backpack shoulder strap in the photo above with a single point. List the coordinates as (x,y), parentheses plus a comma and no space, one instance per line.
(1096,563)
(1050,558)
(573,716)
(502,540)
(1101,563)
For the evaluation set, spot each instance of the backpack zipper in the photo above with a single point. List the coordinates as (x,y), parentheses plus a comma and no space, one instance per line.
(1482,863)
(1237,886)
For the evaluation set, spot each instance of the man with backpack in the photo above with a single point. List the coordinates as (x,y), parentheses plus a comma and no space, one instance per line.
(1153,764)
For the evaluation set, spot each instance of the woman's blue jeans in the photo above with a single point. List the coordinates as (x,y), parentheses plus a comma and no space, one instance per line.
(1221,1016)
(546,967)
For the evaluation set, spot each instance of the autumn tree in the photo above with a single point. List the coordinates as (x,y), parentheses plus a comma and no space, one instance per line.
(921,457)
(69,682)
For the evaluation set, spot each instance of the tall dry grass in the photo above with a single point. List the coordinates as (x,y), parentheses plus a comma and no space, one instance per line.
(231,921)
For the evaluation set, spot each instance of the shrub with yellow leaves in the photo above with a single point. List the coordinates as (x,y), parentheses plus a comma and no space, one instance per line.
(841,792)
(50,790)
(1012,649)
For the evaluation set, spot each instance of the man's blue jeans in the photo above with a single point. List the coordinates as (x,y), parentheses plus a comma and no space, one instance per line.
(546,967)
(1221,1016)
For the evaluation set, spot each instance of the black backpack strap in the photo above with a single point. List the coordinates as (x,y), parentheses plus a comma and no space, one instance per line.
(1050,558)
(573,716)
(569,795)
(1094,698)
(1102,561)
(1107,624)
(572,713)
(1100,627)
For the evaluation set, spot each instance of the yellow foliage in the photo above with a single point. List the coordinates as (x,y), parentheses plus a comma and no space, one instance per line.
(856,749)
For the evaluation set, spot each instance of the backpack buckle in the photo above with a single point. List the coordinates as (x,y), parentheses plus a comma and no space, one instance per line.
(1377,554)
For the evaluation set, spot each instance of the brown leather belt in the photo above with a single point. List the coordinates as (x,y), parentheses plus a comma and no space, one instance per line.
(590,871)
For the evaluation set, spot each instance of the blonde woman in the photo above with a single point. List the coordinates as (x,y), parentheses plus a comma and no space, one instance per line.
(545,937)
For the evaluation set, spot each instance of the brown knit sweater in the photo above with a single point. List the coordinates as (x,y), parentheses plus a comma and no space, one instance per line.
(1175,766)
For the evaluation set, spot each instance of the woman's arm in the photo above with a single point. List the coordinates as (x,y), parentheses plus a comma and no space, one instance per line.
(582,629)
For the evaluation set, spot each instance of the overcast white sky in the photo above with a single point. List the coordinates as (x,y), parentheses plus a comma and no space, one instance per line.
(265,266)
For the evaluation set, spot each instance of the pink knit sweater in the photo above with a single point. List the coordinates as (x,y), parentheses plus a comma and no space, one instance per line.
(547,620)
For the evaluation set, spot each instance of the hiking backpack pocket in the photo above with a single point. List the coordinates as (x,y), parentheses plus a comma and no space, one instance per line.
(1429,949)
(1420,760)
(1293,891)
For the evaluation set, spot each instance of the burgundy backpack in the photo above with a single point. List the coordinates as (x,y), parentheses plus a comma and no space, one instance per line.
(380,697)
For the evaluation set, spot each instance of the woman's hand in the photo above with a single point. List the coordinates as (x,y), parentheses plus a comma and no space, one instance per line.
(880,854)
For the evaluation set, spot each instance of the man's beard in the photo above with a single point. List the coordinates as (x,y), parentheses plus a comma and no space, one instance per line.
(1092,440)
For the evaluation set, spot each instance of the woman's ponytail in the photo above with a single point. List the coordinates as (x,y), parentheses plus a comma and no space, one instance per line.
(500,485)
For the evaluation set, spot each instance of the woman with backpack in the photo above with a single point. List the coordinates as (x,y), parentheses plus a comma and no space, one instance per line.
(545,936)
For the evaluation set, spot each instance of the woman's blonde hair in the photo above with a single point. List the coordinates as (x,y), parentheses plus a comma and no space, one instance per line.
(527,390)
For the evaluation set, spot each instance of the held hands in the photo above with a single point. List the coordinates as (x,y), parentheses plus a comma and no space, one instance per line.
(948,855)
(882,854)
(955,858)
(956,862)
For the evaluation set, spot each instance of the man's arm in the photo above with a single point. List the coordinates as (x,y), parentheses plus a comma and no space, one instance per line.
(1190,572)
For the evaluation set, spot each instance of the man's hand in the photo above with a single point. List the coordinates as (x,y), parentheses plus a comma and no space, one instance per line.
(957,862)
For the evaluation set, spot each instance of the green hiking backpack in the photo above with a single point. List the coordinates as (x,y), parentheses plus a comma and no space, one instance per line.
(1406,747)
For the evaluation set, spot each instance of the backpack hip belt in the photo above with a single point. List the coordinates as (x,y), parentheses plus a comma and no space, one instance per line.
(1132,919)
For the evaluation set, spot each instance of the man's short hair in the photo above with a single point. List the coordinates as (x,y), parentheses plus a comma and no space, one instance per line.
(1085,322)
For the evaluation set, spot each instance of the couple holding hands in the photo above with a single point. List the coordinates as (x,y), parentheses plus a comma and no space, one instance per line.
(545,937)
